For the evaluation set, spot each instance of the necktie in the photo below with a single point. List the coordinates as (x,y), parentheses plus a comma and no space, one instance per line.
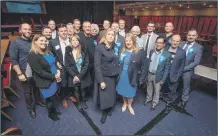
(146,46)
(186,46)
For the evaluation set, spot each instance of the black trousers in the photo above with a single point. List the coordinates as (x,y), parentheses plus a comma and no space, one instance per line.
(51,104)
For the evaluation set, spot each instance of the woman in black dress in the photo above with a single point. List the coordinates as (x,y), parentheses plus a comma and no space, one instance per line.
(106,72)
(76,63)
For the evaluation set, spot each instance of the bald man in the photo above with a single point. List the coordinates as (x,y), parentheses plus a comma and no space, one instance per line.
(168,34)
(178,57)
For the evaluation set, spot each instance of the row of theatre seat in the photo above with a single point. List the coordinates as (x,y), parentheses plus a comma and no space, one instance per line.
(7,82)
(205,25)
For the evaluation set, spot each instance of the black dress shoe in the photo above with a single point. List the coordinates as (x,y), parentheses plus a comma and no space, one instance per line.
(53,117)
(103,118)
(183,104)
(56,111)
(41,104)
(32,114)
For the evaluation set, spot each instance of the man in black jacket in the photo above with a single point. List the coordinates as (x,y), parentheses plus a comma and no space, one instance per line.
(88,42)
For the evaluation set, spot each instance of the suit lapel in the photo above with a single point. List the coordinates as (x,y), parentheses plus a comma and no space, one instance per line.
(59,51)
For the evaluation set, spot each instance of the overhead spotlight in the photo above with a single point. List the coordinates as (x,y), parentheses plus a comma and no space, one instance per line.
(146,7)
(211,6)
(155,8)
(205,4)
(188,7)
(170,7)
(143,9)
(180,5)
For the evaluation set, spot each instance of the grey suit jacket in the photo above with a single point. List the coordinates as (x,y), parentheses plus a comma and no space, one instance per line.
(163,66)
(194,56)
(151,44)
(178,65)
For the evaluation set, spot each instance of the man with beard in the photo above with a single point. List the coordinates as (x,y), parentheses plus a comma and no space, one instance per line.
(46,31)
(19,50)
(194,52)
(88,41)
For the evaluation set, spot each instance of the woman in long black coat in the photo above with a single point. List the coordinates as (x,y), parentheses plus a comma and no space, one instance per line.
(76,63)
(106,72)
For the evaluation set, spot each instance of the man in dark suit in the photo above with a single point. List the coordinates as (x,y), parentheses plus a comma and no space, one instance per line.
(57,47)
(119,40)
(106,25)
(122,30)
(194,52)
(52,26)
(177,66)
(159,64)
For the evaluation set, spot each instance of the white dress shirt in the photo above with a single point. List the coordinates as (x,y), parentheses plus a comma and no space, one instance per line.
(53,34)
(189,46)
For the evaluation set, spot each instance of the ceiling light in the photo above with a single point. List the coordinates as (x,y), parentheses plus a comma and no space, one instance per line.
(211,6)
(155,8)
(143,9)
(205,4)
(180,5)
(170,7)
(146,7)
(188,7)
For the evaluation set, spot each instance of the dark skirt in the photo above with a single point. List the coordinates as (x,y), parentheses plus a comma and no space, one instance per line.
(106,98)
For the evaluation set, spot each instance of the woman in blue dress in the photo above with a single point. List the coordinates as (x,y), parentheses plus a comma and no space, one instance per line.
(134,65)
(76,63)
(45,73)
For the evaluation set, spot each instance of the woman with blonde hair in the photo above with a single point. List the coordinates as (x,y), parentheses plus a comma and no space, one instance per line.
(45,73)
(138,35)
(76,63)
(106,72)
(134,65)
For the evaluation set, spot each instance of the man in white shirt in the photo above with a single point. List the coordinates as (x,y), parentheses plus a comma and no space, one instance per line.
(194,52)
(57,47)
(52,26)
(149,38)
(77,25)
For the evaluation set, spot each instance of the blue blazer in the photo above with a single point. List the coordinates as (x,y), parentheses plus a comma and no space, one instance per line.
(138,68)
(177,66)
(193,57)
(163,66)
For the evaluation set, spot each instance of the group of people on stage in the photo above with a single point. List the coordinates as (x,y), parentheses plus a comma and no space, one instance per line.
(108,64)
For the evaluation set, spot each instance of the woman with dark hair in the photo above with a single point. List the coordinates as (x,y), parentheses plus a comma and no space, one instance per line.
(76,63)
(45,73)
(106,72)
(134,65)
